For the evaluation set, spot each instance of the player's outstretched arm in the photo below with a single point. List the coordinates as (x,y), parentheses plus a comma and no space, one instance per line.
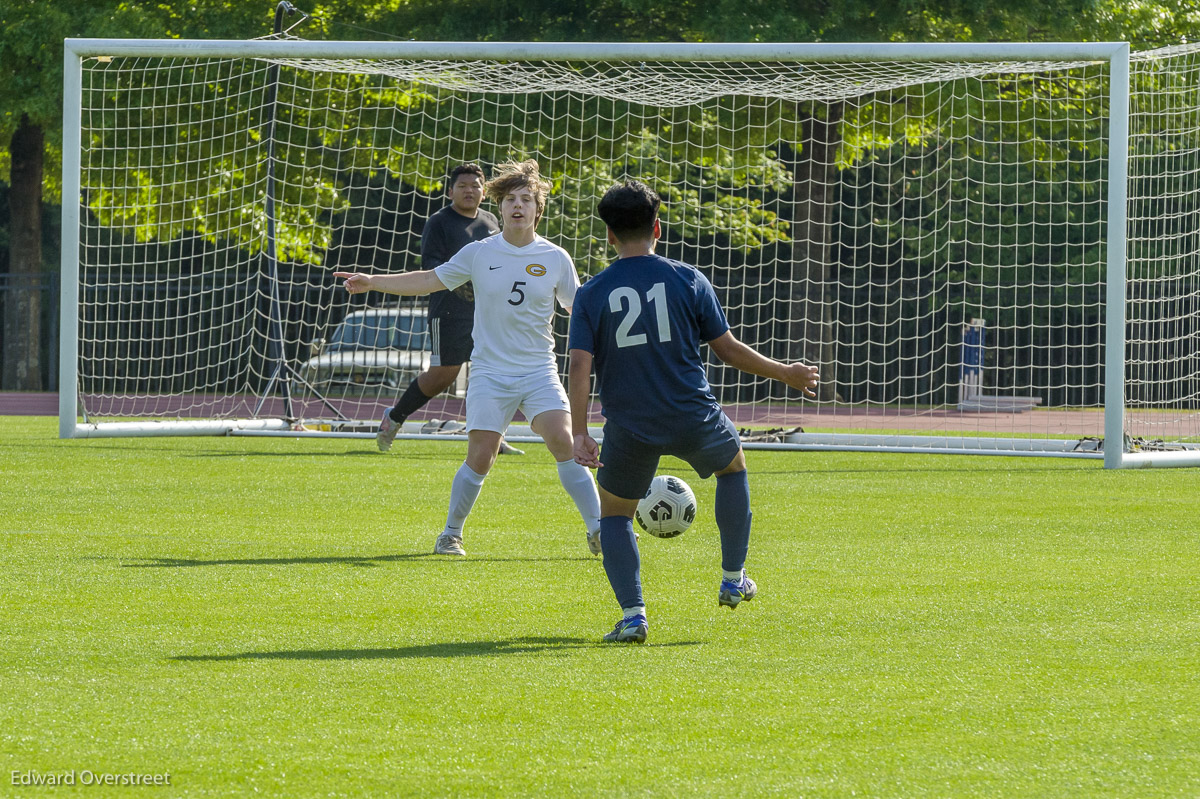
(579,393)
(739,356)
(403,283)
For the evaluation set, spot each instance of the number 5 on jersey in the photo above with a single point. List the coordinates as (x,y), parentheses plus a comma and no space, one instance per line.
(629,297)
(516,292)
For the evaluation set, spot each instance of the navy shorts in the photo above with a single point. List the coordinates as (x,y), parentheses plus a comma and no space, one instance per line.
(630,463)
(451,338)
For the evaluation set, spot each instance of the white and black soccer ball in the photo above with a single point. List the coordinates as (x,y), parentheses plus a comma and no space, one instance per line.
(668,509)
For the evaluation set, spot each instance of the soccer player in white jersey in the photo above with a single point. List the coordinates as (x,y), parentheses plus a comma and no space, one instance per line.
(518,277)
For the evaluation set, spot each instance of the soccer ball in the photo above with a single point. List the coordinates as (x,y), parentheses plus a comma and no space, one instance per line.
(668,508)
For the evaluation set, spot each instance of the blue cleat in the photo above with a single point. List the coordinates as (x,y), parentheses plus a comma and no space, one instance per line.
(632,630)
(732,593)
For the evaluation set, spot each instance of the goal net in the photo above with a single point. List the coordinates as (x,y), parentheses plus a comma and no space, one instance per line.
(941,229)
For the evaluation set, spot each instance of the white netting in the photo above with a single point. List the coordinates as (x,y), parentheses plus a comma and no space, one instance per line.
(932,234)
(667,84)
(1163,306)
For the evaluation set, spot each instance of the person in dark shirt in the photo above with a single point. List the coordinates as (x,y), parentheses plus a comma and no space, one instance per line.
(451,313)
(640,323)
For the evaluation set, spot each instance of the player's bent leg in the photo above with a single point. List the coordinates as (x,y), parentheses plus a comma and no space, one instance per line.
(425,387)
(482,448)
(622,565)
(491,404)
(579,484)
(436,379)
(555,428)
(731,509)
(465,488)
(412,400)
(622,561)
(612,505)
(628,469)
(738,464)
(733,516)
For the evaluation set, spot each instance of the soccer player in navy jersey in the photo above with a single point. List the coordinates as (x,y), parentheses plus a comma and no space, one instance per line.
(640,323)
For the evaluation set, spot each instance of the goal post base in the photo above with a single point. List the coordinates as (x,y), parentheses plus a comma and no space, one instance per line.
(1083,449)
(1166,460)
(222,427)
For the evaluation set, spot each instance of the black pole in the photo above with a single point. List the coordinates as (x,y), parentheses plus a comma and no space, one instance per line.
(275,350)
(280,10)
(282,371)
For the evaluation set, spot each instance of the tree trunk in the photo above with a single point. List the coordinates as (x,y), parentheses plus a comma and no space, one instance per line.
(23,302)
(810,293)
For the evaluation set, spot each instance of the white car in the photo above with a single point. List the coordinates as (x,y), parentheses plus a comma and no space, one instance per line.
(385,347)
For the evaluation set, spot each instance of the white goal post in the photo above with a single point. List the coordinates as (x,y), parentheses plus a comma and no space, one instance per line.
(986,247)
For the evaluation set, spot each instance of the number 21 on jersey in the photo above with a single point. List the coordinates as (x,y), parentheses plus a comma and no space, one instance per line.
(627,299)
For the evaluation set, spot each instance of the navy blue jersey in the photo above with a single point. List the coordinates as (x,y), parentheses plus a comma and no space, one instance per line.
(643,320)
(445,233)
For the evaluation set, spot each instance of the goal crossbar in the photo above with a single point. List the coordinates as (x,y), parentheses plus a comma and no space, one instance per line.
(598,51)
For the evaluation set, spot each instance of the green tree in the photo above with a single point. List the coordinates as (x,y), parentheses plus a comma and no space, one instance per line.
(31,59)
(30,128)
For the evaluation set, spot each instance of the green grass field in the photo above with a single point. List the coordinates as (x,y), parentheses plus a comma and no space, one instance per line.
(263,615)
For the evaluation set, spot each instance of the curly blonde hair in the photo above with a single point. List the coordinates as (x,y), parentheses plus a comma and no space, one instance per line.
(513,175)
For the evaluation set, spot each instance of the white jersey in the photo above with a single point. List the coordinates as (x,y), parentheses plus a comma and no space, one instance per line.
(515,290)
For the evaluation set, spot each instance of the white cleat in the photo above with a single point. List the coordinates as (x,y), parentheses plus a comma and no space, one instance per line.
(387,432)
(436,426)
(508,449)
(448,544)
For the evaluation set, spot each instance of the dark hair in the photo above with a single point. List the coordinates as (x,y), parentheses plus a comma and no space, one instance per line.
(466,169)
(629,209)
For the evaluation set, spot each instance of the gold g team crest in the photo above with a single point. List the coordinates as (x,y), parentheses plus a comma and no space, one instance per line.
(537,270)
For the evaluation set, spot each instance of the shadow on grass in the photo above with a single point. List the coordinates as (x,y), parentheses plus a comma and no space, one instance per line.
(361,561)
(364,453)
(102,445)
(448,456)
(512,646)
(1073,466)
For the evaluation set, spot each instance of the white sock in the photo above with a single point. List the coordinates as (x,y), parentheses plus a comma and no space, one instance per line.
(464,490)
(580,484)
(640,610)
(733,577)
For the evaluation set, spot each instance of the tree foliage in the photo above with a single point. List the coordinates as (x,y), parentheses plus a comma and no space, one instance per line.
(160,165)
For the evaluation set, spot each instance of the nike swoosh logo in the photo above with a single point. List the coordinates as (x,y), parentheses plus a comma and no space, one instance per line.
(490,268)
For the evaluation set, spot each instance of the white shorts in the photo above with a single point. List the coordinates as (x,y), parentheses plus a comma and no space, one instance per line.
(493,400)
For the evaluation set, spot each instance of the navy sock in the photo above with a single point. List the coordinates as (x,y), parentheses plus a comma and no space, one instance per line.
(622,562)
(410,401)
(732,511)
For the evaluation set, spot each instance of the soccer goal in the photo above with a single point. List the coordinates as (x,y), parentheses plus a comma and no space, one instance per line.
(986,248)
